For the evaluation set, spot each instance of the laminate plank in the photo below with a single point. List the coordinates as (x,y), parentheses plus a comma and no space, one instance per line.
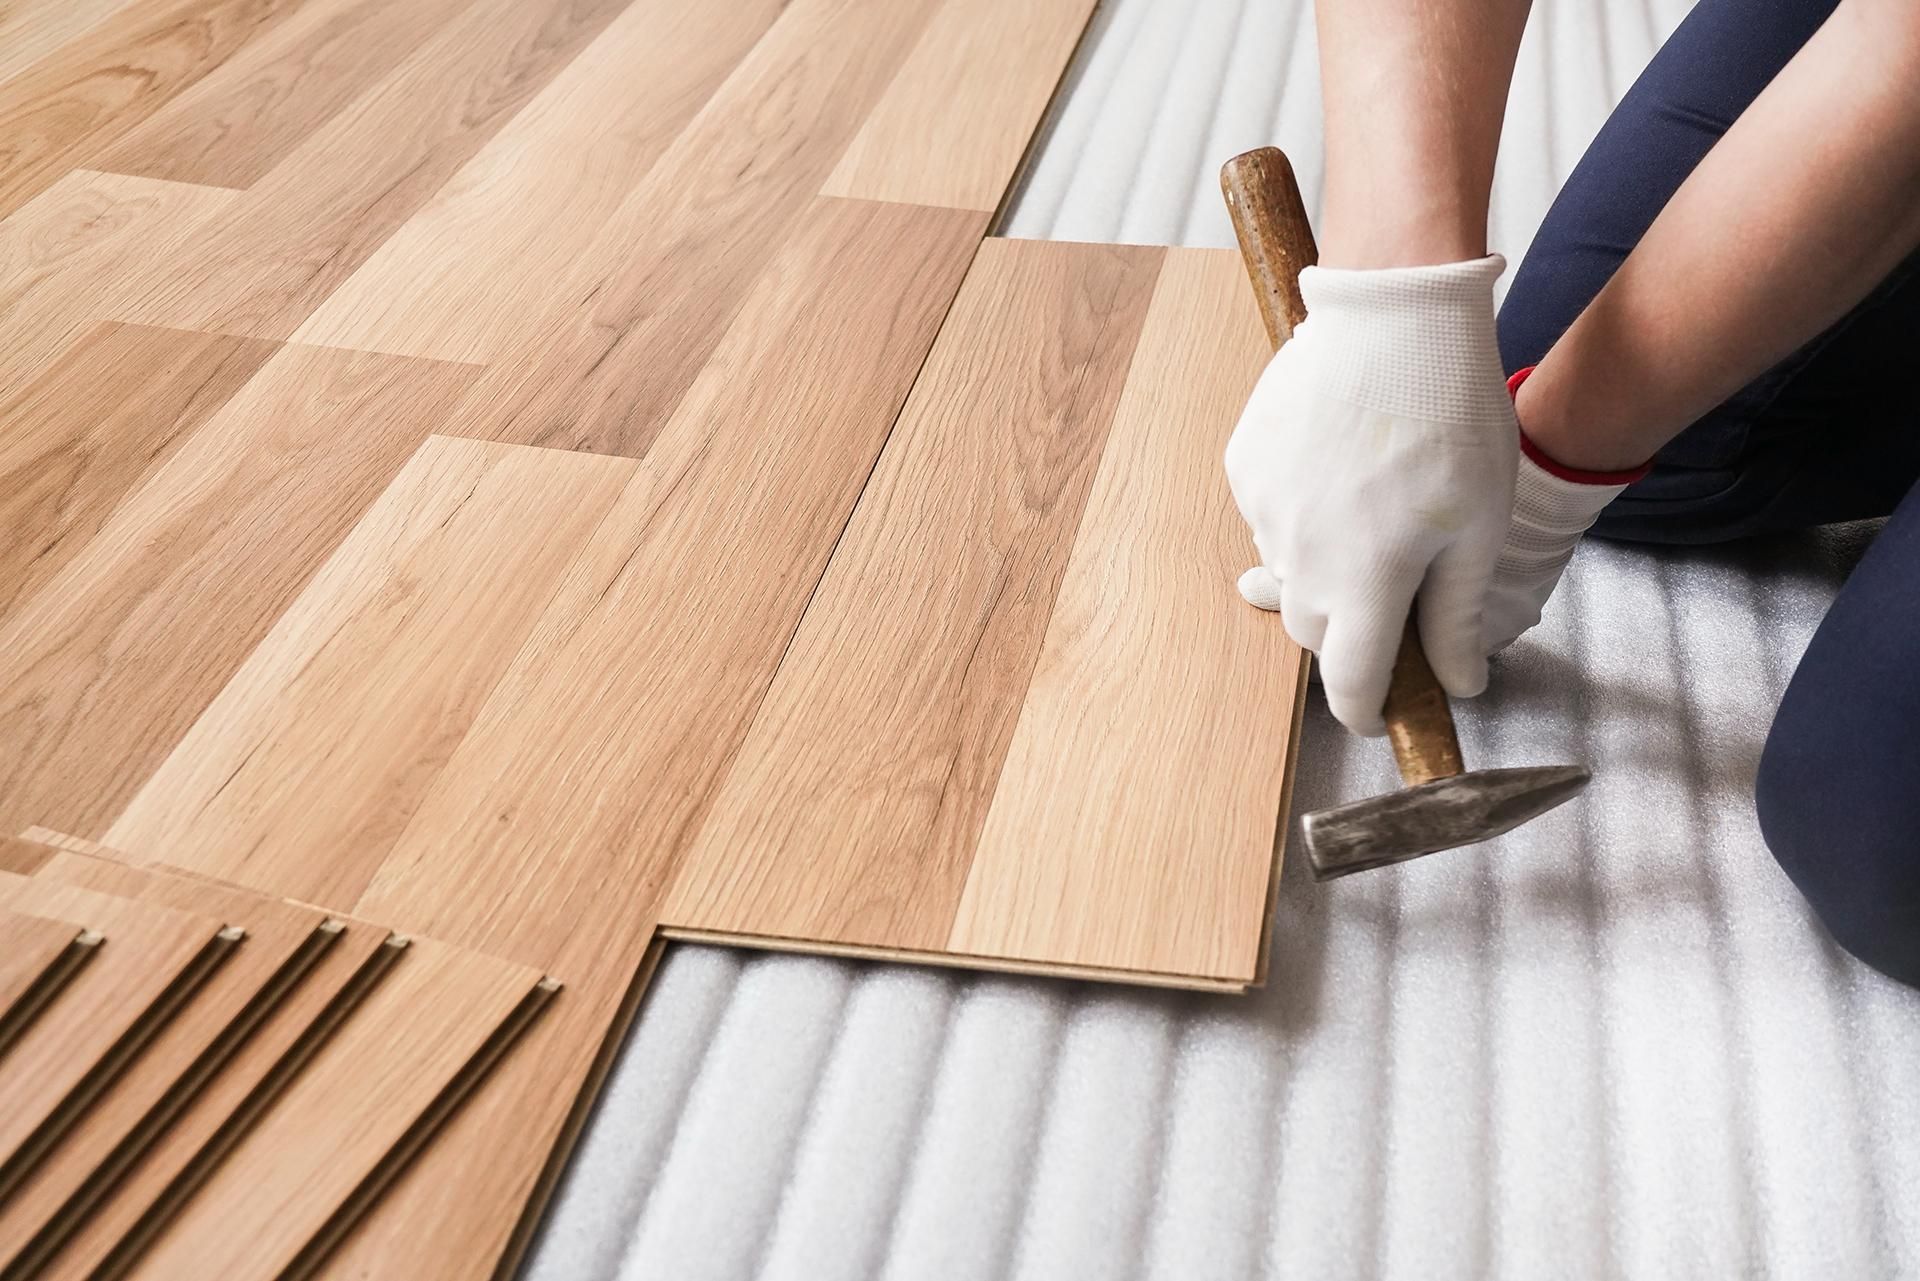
(636,322)
(105,1016)
(58,112)
(852,810)
(108,664)
(93,426)
(37,955)
(551,833)
(388,1068)
(1134,826)
(304,770)
(588,762)
(80,249)
(953,126)
(470,275)
(282,942)
(312,220)
(30,31)
(232,126)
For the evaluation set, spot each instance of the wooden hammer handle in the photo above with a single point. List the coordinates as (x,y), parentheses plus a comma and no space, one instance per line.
(1276,241)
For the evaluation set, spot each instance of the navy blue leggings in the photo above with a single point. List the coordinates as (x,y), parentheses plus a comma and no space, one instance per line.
(1831,433)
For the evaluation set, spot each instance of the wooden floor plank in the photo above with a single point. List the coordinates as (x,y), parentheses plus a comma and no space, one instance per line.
(1153,738)
(34,29)
(93,426)
(638,318)
(79,250)
(243,118)
(36,957)
(955,122)
(470,276)
(853,808)
(322,211)
(58,113)
(647,667)
(104,667)
(115,1001)
(282,942)
(386,1068)
(307,766)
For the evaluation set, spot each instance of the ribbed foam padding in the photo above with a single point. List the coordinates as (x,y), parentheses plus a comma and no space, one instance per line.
(1613,1044)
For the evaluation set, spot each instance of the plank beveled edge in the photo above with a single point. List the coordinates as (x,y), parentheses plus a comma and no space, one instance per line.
(953,960)
(1283,827)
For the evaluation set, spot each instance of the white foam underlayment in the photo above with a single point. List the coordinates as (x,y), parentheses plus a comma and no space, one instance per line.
(1613,1044)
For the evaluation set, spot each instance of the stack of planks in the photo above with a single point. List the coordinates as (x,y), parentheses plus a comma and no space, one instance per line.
(494,485)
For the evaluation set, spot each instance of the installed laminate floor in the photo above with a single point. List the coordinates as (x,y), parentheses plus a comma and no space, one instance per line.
(553,475)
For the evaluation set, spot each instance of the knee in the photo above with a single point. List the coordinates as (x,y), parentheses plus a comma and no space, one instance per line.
(1848,838)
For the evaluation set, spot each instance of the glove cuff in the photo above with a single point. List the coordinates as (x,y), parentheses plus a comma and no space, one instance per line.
(1574,475)
(1436,321)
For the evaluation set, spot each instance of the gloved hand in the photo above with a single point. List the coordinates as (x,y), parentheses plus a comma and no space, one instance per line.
(1376,459)
(1553,506)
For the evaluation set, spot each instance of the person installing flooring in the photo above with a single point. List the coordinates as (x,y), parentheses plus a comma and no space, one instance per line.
(1712,336)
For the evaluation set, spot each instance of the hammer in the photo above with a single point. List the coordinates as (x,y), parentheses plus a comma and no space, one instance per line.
(1443,805)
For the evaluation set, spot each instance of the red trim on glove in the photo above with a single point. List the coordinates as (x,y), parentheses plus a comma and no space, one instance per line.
(1564,472)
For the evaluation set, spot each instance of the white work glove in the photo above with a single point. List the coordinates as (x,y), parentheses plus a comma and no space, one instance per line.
(1376,459)
(1553,506)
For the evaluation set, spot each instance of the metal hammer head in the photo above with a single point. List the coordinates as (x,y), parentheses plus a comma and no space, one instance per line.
(1435,816)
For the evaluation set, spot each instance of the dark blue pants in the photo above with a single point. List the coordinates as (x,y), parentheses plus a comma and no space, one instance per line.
(1831,433)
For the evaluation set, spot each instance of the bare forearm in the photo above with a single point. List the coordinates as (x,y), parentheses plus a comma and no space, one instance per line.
(1801,209)
(1415,91)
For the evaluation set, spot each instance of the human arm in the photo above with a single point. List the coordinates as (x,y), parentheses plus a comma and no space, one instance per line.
(1376,457)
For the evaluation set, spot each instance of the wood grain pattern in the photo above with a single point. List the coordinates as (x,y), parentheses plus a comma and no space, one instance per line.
(853,808)
(68,106)
(93,426)
(150,949)
(32,29)
(37,955)
(302,773)
(281,944)
(237,122)
(954,124)
(639,318)
(320,213)
(87,243)
(389,1064)
(469,277)
(1152,739)
(599,745)
(647,667)
(247,508)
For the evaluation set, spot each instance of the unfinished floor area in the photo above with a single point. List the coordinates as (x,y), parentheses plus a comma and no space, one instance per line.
(1614,1044)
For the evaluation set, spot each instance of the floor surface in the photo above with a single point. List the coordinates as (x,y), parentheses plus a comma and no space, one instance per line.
(1612,1044)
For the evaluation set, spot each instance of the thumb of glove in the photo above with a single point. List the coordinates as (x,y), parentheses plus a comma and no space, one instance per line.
(1260,589)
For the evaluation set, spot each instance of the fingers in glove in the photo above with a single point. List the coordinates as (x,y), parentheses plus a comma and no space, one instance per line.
(1260,589)
(1305,622)
(1452,627)
(1356,663)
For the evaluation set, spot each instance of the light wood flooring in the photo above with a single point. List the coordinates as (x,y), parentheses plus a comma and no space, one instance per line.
(492,486)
